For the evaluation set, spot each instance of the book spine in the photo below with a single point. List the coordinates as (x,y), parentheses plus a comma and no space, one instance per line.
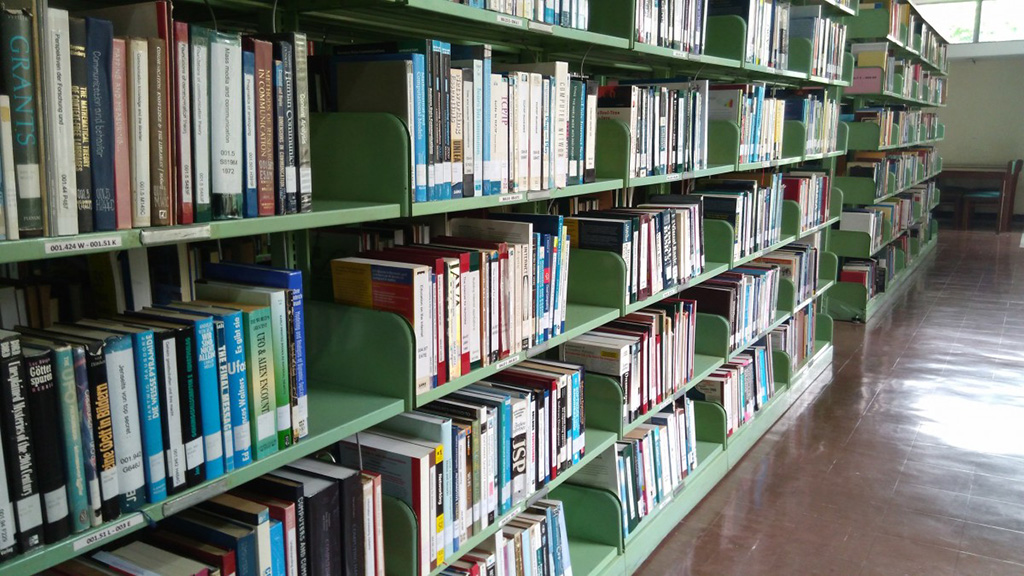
(260,369)
(18,439)
(159,138)
(121,156)
(226,126)
(455,132)
(80,115)
(280,336)
(209,397)
(102,149)
(419,127)
(18,65)
(10,184)
(280,142)
(139,129)
(8,524)
(264,127)
(305,171)
(191,407)
(200,85)
(290,142)
(78,499)
(171,423)
(224,389)
(150,417)
(84,407)
(239,390)
(291,368)
(124,410)
(43,406)
(59,129)
(183,169)
(103,434)
(250,190)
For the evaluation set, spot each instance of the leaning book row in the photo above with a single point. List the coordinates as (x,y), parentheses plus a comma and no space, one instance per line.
(103,416)
(163,123)
(747,297)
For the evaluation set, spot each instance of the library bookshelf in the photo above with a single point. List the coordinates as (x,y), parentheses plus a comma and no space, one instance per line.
(361,165)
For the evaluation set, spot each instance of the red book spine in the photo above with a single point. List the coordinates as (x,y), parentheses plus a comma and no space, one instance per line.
(264,73)
(183,173)
(165,32)
(122,168)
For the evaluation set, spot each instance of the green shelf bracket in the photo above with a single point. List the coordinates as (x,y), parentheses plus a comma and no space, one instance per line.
(901,262)
(591,514)
(828,267)
(400,538)
(863,136)
(868,24)
(723,142)
(836,199)
(612,149)
(709,422)
(597,278)
(361,157)
(850,244)
(791,218)
(824,327)
(719,239)
(726,37)
(613,18)
(712,336)
(782,369)
(848,301)
(857,190)
(843,137)
(603,397)
(786,297)
(800,56)
(360,349)
(794,139)
(848,66)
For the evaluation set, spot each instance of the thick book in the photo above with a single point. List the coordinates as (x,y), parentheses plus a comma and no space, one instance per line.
(199,82)
(286,89)
(250,187)
(248,513)
(149,559)
(277,491)
(281,116)
(283,511)
(18,439)
(217,557)
(321,503)
(44,410)
(10,179)
(80,114)
(184,176)
(350,489)
(160,167)
(221,532)
(226,125)
(19,78)
(305,169)
(58,128)
(263,106)
(99,44)
(122,175)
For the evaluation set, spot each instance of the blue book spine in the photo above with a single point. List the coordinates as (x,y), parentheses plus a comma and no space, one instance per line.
(78,499)
(98,46)
(92,479)
(238,388)
(150,416)
(556,291)
(250,206)
(277,549)
(538,280)
(550,257)
(244,546)
(577,414)
(224,389)
(419,91)
(505,454)
(553,546)
(209,397)
(458,434)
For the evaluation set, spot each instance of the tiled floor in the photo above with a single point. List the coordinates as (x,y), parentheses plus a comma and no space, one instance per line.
(910,462)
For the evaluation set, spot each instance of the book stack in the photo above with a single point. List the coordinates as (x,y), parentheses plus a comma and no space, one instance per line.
(795,337)
(493,288)
(198,388)
(864,272)
(932,47)
(874,68)
(798,263)
(676,24)
(812,191)
(752,204)
(746,297)
(647,467)
(667,122)
(163,123)
(463,462)
(819,114)
(866,220)
(648,353)
(767,42)
(898,212)
(827,38)
(661,243)
(742,386)
(759,116)
(534,542)
(523,128)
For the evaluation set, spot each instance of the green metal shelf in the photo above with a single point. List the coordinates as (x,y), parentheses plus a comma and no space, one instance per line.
(589,558)
(482,202)
(780,317)
(874,25)
(334,415)
(848,300)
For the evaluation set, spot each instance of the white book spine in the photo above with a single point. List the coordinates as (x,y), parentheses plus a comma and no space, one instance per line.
(500,154)
(424,327)
(546,171)
(61,184)
(138,123)
(225,118)
(479,173)
(590,134)
(175,449)
(124,410)
(418,173)
(455,130)
(227,429)
(470,136)
(200,83)
(524,133)
(184,124)
(9,172)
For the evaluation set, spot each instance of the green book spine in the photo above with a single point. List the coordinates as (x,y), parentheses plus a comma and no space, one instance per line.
(200,62)
(78,500)
(281,329)
(18,70)
(259,358)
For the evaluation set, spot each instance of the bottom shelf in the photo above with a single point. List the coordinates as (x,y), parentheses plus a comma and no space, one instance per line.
(591,557)
(848,301)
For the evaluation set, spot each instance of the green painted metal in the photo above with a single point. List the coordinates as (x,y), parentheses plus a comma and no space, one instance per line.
(851,244)
(723,142)
(590,558)
(726,37)
(868,25)
(612,149)
(863,136)
(401,538)
(603,397)
(597,278)
(782,369)
(791,217)
(709,422)
(615,18)
(848,66)
(787,295)
(591,515)
(857,190)
(800,55)
(712,336)
(828,266)
(794,139)
(719,238)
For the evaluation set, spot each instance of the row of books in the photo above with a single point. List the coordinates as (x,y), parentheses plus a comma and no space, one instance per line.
(746,296)
(797,262)
(166,123)
(827,38)
(864,220)
(198,389)
(742,386)
(751,203)
(820,115)
(767,25)
(493,288)
(667,122)
(894,169)
(676,24)
(647,467)
(795,336)
(758,114)
(463,462)
(472,132)
(565,13)
(813,192)
(648,353)
(869,272)
(661,243)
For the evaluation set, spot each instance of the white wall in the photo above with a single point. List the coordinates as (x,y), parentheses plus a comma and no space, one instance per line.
(984,116)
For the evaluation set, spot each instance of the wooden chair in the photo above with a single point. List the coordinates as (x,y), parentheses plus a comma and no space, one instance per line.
(1003,199)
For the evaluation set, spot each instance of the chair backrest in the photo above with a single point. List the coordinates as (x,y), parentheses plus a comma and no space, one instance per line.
(1013,169)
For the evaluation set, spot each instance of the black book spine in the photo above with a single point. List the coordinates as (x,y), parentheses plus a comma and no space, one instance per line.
(80,120)
(323,528)
(353,550)
(103,431)
(99,46)
(291,493)
(191,411)
(173,450)
(45,416)
(17,438)
(280,141)
(291,153)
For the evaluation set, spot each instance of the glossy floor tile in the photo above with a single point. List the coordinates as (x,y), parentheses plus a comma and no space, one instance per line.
(906,459)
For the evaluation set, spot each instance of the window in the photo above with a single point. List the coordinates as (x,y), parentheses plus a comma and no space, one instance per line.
(965,21)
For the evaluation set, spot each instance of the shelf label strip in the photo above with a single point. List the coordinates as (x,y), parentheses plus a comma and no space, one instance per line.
(114,530)
(81,244)
(192,498)
(155,236)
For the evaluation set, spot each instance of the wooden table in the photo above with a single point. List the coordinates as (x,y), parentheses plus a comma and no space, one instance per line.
(980,174)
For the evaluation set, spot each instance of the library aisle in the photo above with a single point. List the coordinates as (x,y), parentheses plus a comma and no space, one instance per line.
(909,462)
